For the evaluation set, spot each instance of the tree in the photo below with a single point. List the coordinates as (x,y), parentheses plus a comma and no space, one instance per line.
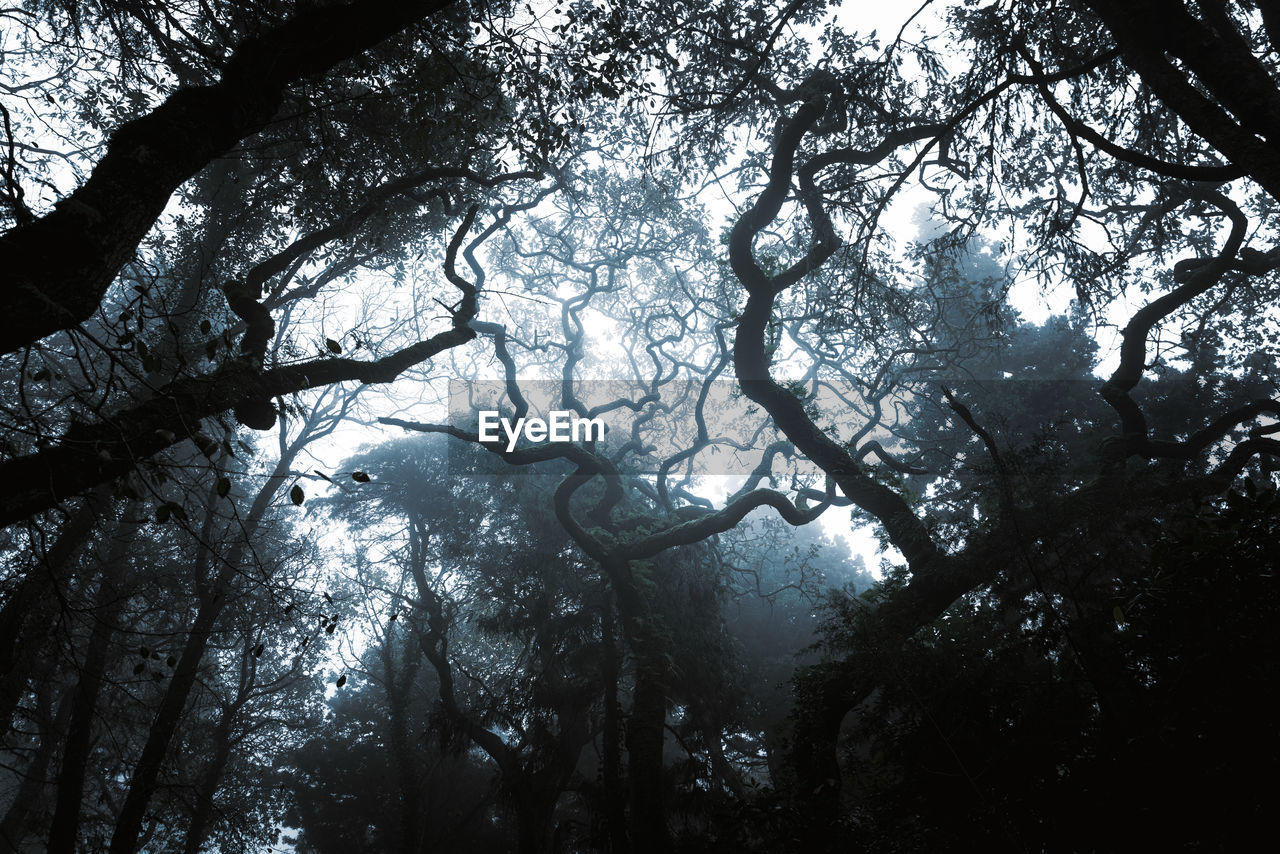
(221,217)
(490,596)
(347,783)
(942,570)
(636,533)
(63,262)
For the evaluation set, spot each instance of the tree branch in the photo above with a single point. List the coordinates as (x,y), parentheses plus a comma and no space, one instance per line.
(60,266)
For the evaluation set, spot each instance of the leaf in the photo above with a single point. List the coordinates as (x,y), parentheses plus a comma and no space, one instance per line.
(342,680)
(139,667)
(322,476)
(224,486)
(205,327)
(171,661)
(360,477)
(258,650)
(329,628)
(162,514)
(296,495)
(1118,614)
(334,346)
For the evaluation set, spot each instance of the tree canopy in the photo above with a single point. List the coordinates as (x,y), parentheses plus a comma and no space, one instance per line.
(990,284)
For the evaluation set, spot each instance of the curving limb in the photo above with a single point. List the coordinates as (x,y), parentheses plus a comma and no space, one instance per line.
(752,357)
(1194,277)
(60,265)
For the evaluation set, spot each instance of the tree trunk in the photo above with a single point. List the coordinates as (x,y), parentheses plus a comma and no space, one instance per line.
(147,772)
(75,755)
(108,603)
(535,808)
(125,839)
(29,614)
(13,829)
(646,730)
(398,687)
(611,738)
(202,816)
(646,737)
